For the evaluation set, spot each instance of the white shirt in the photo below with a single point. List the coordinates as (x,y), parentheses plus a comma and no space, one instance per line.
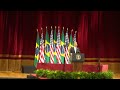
(75,49)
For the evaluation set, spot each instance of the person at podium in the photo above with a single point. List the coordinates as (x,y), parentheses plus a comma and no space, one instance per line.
(74,49)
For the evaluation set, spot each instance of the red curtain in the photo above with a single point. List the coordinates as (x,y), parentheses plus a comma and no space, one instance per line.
(97,31)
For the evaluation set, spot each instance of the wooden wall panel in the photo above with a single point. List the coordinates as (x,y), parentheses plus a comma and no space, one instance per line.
(115,67)
(11,65)
(3,64)
(90,63)
(27,62)
(15,65)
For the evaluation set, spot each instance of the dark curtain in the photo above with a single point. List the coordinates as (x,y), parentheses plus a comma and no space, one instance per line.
(97,31)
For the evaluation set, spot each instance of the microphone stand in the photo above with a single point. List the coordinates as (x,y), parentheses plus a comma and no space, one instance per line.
(99,64)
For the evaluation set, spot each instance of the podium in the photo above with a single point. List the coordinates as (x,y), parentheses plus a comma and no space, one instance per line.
(77,60)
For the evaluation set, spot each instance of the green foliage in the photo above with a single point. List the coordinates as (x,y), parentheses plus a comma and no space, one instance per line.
(68,75)
(59,74)
(73,75)
(42,72)
(83,75)
(51,75)
(107,75)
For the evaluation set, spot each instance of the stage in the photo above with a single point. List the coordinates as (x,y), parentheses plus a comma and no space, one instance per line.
(73,67)
(15,75)
(12,75)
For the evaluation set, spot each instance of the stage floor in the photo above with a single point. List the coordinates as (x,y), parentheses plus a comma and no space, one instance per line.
(116,76)
(13,75)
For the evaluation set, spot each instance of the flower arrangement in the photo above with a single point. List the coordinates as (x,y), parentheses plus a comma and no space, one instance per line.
(73,75)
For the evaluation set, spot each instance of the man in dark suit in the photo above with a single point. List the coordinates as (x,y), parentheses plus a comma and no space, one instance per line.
(74,49)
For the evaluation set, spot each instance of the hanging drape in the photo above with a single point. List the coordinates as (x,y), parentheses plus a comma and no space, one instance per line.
(97,31)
